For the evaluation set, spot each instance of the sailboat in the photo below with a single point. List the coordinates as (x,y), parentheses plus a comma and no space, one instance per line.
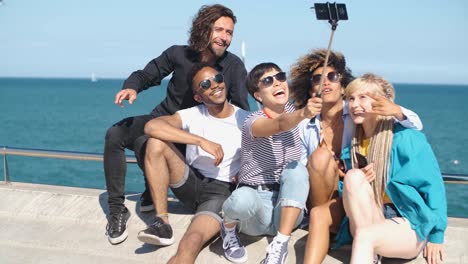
(93,77)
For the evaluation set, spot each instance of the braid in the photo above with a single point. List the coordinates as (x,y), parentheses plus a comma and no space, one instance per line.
(380,144)
(380,147)
(379,153)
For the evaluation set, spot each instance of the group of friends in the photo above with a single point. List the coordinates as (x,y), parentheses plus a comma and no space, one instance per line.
(346,156)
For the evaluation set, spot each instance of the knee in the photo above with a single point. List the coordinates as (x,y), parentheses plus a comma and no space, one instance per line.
(154,147)
(114,135)
(319,160)
(319,217)
(238,205)
(192,239)
(354,180)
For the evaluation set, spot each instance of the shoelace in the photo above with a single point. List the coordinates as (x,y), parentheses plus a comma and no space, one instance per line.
(274,252)
(115,221)
(157,223)
(231,241)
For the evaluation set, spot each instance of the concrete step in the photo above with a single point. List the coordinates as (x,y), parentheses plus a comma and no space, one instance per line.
(54,224)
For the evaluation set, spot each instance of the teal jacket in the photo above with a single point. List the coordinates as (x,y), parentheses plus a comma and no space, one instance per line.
(415,184)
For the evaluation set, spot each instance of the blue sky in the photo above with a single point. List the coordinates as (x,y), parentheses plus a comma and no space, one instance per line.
(404,41)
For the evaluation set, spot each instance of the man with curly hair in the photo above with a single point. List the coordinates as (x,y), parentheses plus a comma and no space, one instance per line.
(210,36)
(324,136)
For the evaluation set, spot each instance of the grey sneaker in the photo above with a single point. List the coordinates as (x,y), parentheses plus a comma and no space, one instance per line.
(233,250)
(116,229)
(277,253)
(158,233)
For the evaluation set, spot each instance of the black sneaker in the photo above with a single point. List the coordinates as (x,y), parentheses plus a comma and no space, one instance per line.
(158,233)
(116,229)
(146,202)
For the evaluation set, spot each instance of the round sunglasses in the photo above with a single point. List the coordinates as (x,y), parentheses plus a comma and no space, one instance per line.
(206,84)
(268,81)
(332,76)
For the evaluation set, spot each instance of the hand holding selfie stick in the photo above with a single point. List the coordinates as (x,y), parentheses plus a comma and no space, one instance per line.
(332,12)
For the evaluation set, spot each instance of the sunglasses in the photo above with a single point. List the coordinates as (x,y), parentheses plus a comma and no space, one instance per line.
(206,84)
(332,76)
(268,81)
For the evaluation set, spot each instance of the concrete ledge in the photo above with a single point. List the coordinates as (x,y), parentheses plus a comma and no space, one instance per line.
(54,224)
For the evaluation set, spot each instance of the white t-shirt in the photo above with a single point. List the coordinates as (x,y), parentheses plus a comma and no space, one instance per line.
(225,131)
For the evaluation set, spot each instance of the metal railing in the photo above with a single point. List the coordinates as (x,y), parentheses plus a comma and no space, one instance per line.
(74,155)
(47,153)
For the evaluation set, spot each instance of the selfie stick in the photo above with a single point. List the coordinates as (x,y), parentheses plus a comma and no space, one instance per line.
(333,20)
(334,24)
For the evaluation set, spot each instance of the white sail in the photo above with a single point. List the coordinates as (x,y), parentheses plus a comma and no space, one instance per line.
(243,51)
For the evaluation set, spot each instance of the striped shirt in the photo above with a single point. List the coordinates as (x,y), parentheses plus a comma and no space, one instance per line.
(264,158)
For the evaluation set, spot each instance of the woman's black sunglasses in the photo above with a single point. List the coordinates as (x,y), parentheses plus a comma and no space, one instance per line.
(332,76)
(206,84)
(268,81)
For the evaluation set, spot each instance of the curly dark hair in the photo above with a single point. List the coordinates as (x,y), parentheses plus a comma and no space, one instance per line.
(301,72)
(202,25)
(252,79)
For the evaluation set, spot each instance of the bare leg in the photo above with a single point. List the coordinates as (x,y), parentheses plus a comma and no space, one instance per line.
(358,201)
(202,228)
(323,176)
(391,238)
(362,210)
(164,165)
(323,218)
(288,220)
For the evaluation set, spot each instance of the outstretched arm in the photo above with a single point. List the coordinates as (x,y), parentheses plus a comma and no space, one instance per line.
(153,73)
(265,127)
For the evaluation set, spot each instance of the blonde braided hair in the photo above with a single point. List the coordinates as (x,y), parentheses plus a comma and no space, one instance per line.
(380,145)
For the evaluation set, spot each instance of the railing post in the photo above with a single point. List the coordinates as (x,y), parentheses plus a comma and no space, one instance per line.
(6,177)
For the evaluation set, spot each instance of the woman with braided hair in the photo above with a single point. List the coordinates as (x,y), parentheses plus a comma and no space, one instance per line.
(323,137)
(396,205)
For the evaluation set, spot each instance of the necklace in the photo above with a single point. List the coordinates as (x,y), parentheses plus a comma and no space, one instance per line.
(332,122)
(327,132)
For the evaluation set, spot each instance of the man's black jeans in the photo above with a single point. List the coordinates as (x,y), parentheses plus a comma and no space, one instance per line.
(127,133)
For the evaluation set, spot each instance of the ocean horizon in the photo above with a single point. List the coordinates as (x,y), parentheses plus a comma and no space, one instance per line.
(73,114)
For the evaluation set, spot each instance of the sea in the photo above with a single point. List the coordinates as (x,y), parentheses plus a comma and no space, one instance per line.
(74,114)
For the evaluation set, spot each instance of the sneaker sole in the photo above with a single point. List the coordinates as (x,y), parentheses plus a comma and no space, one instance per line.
(153,240)
(237,260)
(146,208)
(119,239)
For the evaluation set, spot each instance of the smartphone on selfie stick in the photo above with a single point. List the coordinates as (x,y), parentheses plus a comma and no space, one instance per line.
(332,12)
